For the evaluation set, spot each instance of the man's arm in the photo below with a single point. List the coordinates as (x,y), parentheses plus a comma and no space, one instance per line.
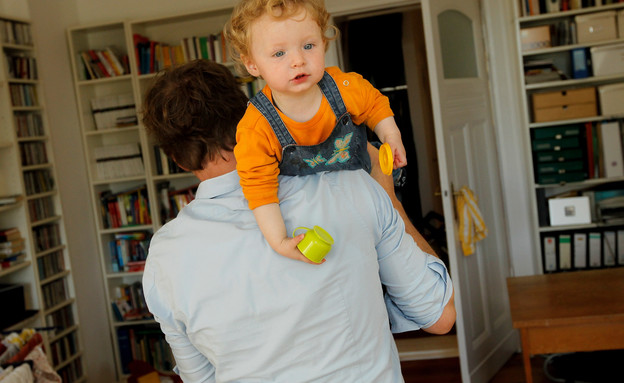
(447,319)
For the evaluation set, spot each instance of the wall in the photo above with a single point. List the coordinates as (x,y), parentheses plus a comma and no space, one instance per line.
(52,17)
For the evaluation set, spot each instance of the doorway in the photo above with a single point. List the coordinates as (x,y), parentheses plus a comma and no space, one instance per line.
(387,48)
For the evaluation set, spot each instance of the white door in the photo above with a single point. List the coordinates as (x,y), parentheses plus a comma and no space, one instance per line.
(468,156)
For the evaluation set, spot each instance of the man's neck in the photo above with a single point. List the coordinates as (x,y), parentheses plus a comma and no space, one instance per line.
(220,165)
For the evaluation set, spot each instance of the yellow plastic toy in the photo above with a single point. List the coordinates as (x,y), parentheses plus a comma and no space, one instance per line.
(386,159)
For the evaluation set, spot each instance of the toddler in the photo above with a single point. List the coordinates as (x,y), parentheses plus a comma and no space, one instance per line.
(305,119)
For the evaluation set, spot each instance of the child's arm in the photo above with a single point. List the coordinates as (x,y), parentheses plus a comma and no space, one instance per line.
(388,132)
(271,223)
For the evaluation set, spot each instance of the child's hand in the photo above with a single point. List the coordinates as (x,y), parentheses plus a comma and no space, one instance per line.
(288,248)
(398,151)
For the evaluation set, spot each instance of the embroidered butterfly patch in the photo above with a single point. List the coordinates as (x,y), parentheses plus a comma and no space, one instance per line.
(341,153)
(312,162)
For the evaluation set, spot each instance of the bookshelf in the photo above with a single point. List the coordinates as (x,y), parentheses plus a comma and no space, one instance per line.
(153,189)
(39,260)
(575,136)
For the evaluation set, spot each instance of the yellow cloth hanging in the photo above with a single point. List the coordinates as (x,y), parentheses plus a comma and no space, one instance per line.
(471,225)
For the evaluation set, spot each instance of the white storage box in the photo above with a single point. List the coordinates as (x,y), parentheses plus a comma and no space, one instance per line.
(569,211)
(607,60)
(611,99)
(596,27)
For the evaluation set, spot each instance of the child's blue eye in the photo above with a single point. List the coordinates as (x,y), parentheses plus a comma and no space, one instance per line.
(279,54)
(308,46)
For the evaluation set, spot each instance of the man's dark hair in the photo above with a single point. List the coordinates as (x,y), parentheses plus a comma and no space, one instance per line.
(192,112)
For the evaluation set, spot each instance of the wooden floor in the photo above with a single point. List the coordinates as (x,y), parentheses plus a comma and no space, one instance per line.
(447,371)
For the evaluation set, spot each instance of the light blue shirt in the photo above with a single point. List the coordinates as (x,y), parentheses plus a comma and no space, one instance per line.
(235,311)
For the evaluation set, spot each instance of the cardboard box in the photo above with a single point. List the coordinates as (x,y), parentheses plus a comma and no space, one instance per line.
(564,104)
(569,211)
(607,60)
(535,38)
(611,99)
(598,26)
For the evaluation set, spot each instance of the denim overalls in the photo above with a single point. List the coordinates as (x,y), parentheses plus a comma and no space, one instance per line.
(344,149)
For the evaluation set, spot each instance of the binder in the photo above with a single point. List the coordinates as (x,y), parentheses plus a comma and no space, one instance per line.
(580,250)
(595,249)
(609,248)
(565,248)
(611,141)
(620,247)
(550,254)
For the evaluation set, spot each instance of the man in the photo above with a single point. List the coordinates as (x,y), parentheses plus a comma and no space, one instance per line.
(234,310)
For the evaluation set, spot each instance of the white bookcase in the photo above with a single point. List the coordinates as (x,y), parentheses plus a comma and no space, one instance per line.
(158,179)
(28,172)
(565,169)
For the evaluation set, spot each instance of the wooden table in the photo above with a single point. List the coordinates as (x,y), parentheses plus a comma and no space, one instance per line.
(568,312)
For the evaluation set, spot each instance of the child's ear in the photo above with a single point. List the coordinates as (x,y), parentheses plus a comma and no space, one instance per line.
(250,65)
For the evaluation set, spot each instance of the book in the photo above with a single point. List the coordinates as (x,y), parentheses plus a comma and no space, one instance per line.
(550,254)
(595,243)
(611,141)
(609,248)
(580,250)
(590,150)
(565,248)
(9,234)
(10,199)
(620,247)
(117,65)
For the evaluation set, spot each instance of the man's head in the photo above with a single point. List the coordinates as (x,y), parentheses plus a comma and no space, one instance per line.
(192,112)
(238,28)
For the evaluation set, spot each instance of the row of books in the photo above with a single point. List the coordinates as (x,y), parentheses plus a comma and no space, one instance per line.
(128,251)
(28,124)
(127,208)
(12,247)
(250,85)
(71,372)
(118,161)
(38,181)
(112,111)
(33,153)
(50,264)
(23,95)
(164,164)
(40,208)
(22,67)
(583,249)
(47,237)
(59,320)
(538,7)
(103,63)
(15,33)
(64,348)
(129,303)
(153,56)
(144,343)
(173,200)
(54,293)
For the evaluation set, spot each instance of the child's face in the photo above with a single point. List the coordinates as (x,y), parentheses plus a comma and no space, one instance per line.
(289,54)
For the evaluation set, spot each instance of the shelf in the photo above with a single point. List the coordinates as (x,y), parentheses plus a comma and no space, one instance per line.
(59,306)
(574,82)
(17,47)
(112,130)
(29,317)
(575,121)
(564,48)
(104,80)
(50,251)
(32,138)
(55,277)
(14,268)
(567,14)
(124,274)
(580,184)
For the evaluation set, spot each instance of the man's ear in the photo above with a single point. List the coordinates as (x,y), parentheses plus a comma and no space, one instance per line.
(250,65)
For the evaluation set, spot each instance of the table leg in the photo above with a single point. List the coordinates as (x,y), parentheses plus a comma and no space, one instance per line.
(526,355)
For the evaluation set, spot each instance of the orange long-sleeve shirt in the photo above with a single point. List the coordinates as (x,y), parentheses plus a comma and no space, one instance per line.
(258,151)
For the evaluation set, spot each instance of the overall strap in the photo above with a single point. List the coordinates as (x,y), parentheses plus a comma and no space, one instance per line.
(332,94)
(264,105)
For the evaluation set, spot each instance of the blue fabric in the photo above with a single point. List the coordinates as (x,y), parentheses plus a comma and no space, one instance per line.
(344,149)
(233,310)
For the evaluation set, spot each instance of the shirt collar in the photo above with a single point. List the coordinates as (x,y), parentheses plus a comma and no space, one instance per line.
(217,186)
